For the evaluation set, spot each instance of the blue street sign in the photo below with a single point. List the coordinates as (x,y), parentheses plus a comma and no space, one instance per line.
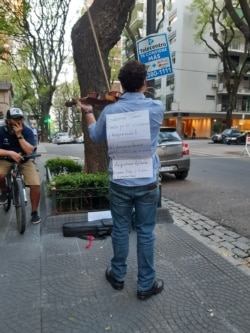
(154,52)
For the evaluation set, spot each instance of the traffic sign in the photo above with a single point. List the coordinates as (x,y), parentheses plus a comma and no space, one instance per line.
(154,52)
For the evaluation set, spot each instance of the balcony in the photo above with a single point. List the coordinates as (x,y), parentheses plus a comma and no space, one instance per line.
(244,91)
(237,47)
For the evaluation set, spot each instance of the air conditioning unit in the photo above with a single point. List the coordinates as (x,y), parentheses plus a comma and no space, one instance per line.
(169,29)
(215,85)
(172,86)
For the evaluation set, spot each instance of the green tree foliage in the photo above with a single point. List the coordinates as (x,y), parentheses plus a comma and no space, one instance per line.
(212,16)
(67,118)
(240,14)
(35,30)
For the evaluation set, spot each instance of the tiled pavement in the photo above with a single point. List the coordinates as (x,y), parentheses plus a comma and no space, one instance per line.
(50,284)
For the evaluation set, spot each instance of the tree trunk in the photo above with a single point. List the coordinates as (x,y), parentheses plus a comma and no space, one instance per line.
(108,18)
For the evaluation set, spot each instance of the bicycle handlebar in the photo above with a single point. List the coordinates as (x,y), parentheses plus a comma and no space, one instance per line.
(26,157)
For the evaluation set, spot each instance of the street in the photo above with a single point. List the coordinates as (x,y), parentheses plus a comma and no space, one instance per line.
(217,185)
(51,283)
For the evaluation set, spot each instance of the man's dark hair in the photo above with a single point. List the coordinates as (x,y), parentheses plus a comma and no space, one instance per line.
(132,75)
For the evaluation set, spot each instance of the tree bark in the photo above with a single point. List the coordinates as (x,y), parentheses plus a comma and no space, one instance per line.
(91,60)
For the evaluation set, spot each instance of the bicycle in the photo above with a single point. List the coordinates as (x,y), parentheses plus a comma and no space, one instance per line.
(17,193)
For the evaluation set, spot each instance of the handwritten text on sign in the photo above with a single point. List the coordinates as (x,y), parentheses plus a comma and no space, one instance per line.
(128,136)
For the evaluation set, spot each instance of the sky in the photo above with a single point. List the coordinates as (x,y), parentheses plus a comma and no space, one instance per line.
(74,14)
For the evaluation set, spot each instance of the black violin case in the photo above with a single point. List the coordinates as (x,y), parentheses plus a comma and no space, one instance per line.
(98,228)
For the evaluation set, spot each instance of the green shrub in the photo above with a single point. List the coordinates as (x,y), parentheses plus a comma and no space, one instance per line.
(62,166)
(90,184)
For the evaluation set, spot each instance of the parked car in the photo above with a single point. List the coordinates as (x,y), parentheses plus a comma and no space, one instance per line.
(241,139)
(63,137)
(227,135)
(80,139)
(173,153)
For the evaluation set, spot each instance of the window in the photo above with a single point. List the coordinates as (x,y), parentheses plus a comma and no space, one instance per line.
(246,103)
(158,84)
(167,136)
(212,56)
(224,102)
(172,18)
(173,57)
(170,80)
(235,60)
(169,101)
(211,77)
(210,97)
(172,37)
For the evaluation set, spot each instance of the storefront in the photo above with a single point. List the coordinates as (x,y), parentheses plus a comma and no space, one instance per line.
(204,124)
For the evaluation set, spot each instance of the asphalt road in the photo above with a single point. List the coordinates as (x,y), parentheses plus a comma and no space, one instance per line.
(217,185)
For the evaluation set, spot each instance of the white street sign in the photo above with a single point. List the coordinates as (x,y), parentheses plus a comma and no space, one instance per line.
(154,52)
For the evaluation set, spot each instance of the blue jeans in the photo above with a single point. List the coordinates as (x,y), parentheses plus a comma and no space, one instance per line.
(144,199)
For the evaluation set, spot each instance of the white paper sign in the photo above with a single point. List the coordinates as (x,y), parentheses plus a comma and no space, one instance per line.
(128,134)
(103,214)
(132,168)
(129,142)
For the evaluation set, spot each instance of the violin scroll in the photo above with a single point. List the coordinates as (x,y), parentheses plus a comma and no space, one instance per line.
(70,103)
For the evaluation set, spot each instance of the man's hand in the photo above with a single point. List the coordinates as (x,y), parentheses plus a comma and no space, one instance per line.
(85,107)
(17,127)
(15,156)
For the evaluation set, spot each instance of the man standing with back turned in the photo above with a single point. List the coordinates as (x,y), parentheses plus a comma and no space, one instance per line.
(140,193)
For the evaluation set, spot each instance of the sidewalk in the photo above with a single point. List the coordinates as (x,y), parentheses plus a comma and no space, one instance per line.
(50,284)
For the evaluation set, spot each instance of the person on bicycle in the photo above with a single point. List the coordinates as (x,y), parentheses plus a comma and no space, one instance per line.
(17,139)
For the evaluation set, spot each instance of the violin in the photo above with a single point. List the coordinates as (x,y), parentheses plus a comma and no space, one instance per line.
(96,99)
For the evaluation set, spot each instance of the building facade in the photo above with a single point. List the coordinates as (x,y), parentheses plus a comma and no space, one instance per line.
(6,94)
(195,94)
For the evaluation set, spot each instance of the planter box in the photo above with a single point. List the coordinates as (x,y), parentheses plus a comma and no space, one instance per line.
(77,200)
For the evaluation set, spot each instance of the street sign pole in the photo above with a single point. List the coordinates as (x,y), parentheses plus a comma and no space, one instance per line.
(151,29)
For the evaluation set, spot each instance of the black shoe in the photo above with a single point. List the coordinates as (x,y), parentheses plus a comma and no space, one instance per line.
(35,218)
(158,286)
(114,283)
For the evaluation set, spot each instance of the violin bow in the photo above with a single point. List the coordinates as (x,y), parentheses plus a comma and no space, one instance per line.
(98,47)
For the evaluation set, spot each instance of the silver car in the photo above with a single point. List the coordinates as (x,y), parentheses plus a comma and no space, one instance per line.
(63,137)
(173,153)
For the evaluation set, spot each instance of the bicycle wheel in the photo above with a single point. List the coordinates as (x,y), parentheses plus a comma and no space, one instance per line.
(20,205)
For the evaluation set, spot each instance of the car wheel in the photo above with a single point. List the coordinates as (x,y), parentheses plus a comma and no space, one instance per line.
(181,175)
(225,141)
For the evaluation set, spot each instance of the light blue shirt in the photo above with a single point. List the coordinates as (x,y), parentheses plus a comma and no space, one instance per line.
(127,103)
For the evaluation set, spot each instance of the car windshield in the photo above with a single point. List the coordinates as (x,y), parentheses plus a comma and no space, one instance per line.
(166,136)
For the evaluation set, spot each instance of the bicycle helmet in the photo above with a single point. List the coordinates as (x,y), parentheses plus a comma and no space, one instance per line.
(14,113)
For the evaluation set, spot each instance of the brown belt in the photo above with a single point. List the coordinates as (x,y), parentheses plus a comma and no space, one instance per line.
(152,186)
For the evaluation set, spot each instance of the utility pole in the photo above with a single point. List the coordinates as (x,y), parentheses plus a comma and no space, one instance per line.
(151,17)
(151,29)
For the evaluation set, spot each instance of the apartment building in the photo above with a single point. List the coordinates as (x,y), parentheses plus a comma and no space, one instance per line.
(195,94)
